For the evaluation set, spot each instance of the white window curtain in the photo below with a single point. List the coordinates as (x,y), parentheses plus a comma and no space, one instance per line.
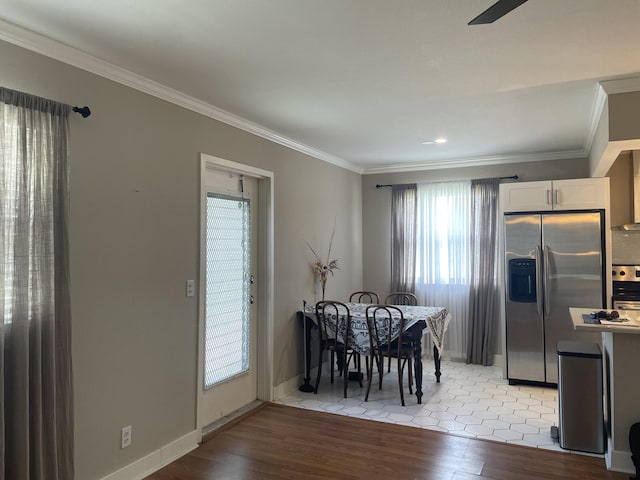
(442,257)
(36,397)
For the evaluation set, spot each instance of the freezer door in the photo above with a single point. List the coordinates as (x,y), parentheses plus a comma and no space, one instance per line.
(573,266)
(524,325)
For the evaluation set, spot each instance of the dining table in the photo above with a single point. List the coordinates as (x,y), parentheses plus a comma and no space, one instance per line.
(418,320)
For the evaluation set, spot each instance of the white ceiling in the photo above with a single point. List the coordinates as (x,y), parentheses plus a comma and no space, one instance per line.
(360,82)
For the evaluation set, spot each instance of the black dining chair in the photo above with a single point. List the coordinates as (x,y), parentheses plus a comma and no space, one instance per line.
(401,298)
(334,322)
(364,297)
(380,320)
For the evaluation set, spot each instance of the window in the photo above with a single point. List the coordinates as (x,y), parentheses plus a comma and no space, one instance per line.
(443,233)
(227,288)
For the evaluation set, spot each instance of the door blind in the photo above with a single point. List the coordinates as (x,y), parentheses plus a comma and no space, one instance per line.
(227,288)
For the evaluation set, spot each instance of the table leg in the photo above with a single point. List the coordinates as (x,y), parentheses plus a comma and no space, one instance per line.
(417,364)
(436,361)
(307,325)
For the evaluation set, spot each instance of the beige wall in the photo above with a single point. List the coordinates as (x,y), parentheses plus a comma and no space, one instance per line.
(376,212)
(134,237)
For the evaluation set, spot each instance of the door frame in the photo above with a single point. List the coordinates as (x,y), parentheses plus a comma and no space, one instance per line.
(265,275)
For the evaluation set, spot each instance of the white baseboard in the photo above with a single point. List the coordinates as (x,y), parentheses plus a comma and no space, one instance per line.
(291,385)
(498,360)
(619,461)
(285,388)
(157,459)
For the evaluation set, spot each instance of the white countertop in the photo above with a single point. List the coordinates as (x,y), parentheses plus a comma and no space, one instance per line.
(632,326)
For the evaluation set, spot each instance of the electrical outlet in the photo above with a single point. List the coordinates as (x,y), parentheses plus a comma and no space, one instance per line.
(191,286)
(125,437)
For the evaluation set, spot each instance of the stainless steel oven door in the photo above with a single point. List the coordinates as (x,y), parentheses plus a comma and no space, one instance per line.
(626,305)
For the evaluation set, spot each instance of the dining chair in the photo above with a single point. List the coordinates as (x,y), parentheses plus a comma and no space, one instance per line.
(334,322)
(386,322)
(401,298)
(369,297)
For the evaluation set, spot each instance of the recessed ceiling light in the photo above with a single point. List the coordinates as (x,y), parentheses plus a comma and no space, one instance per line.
(431,142)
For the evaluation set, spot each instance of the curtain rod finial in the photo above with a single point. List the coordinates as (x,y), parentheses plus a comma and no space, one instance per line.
(84,111)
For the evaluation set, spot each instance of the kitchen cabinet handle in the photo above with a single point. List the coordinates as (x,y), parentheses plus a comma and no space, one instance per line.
(547,301)
(548,192)
(538,281)
(555,196)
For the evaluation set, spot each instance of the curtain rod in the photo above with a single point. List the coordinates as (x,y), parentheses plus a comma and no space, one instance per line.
(512,177)
(84,111)
(10,96)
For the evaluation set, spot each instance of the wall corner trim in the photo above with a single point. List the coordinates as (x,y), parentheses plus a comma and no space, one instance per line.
(620,461)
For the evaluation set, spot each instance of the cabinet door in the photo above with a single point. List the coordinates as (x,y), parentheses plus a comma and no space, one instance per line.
(579,194)
(526,196)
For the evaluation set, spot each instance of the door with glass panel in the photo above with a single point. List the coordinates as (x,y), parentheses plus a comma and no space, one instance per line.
(228,335)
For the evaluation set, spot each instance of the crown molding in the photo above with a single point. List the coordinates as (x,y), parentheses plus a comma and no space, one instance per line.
(41,44)
(597,107)
(621,85)
(476,162)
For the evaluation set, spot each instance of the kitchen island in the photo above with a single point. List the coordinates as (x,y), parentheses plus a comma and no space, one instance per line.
(621,363)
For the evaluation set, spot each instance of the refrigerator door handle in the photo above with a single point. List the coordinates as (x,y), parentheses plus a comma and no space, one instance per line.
(547,301)
(538,281)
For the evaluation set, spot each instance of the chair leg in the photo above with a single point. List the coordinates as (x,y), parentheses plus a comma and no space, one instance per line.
(366,364)
(345,372)
(332,364)
(400,370)
(409,363)
(380,362)
(359,369)
(369,361)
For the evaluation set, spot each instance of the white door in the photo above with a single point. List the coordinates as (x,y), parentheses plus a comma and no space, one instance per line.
(228,331)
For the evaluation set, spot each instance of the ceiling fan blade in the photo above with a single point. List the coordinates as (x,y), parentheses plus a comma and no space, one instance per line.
(496,11)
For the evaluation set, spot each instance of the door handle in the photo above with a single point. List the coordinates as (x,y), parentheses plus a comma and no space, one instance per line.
(547,301)
(538,280)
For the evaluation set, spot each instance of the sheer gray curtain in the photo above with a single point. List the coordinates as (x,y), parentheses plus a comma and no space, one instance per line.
(483,293)
(36,412)
(403,238)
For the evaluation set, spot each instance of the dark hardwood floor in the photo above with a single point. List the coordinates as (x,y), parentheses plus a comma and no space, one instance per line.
(280,442)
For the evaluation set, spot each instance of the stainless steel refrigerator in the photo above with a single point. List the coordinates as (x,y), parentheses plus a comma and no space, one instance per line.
(553,261)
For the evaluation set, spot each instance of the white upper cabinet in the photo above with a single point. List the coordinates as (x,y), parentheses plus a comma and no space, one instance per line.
(575,194)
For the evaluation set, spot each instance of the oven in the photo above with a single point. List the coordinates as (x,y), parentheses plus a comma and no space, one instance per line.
(626,287)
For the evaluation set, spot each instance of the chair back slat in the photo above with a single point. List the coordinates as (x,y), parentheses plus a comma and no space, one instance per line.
(401,298)
(368,297)
(381,333)
(326,310)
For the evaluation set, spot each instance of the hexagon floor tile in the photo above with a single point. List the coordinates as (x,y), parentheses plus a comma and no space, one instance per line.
(470,400)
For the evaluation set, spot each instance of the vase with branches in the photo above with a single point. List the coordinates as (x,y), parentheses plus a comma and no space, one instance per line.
(324,268)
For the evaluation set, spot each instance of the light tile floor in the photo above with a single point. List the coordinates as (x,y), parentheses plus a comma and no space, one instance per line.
(470,400)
